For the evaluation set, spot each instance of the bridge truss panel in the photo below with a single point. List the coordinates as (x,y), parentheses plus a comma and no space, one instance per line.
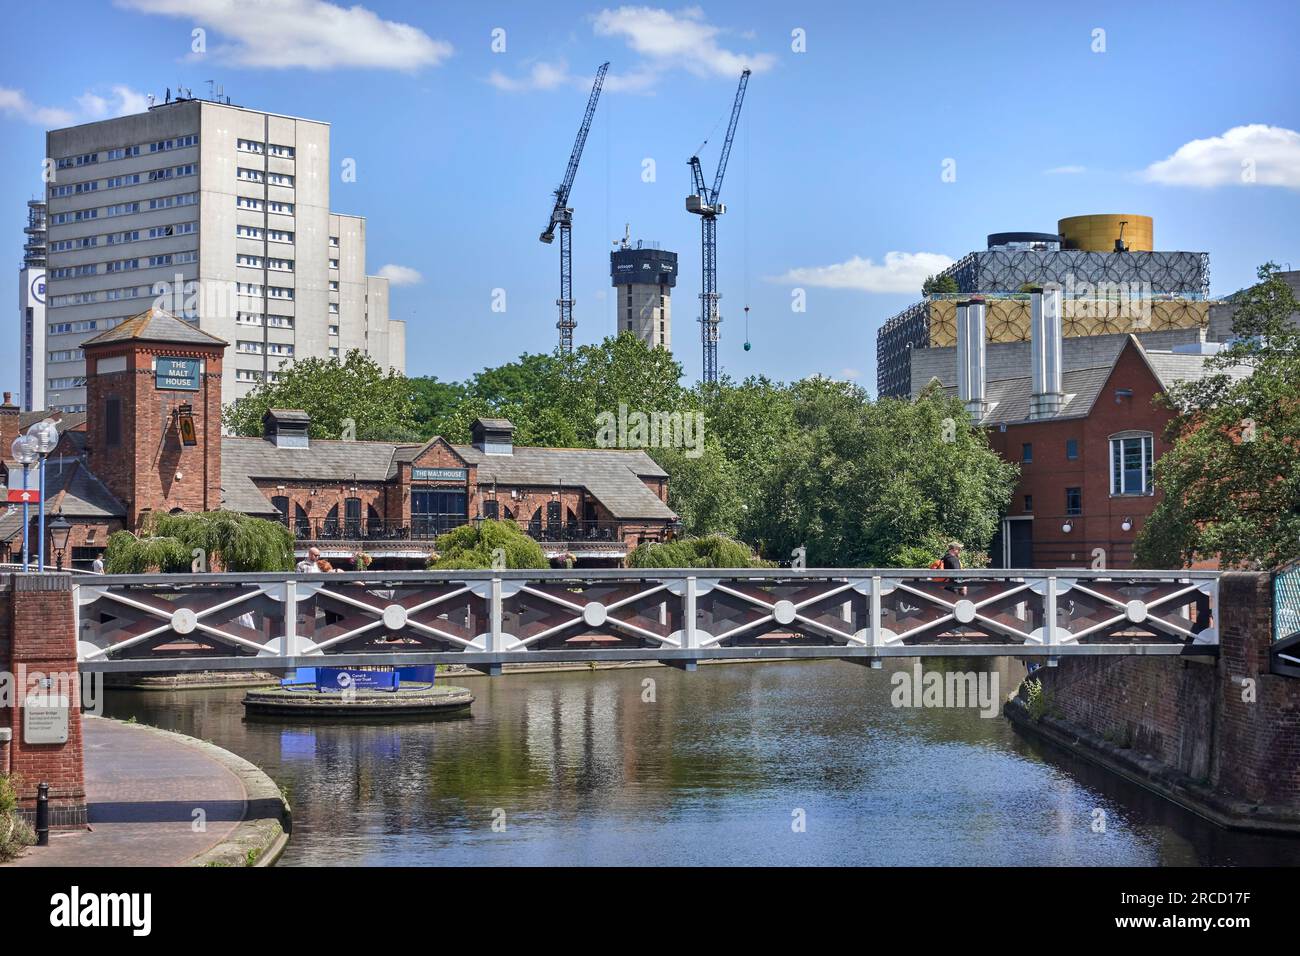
(234,621)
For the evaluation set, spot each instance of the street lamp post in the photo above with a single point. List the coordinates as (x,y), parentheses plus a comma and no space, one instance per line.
(24,452)
(60,531)
(45,437)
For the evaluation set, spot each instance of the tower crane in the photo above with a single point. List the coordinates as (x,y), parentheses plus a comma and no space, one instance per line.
(562,216)
(704,203)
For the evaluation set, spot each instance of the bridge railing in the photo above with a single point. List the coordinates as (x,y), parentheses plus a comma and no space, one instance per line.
(1286,619)
(485,618)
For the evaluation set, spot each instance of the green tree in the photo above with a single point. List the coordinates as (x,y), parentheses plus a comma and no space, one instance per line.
(231,542)
(434,404)
(471,546)
(934,285)
(1231,480)
(879,484)
(709,551)
(379,403)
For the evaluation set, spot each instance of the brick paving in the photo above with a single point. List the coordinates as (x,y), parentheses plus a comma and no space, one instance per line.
(142,789)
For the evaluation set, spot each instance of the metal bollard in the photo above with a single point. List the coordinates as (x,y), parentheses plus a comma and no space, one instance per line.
(43,814)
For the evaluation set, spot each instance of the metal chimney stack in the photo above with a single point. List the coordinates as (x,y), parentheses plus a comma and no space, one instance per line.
(1045,345)
(970,356)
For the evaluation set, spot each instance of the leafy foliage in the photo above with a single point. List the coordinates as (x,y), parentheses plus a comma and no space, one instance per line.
(380,404)
(232,541)
(1231,480)
(868,483)
(813,463)
(934,285)
(710,551)
(470,547)
(128,554)
(15,833)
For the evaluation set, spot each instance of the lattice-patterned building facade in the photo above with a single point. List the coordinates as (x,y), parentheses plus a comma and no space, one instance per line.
(1105,293)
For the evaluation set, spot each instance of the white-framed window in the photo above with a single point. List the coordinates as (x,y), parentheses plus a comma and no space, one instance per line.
(1131,455)
(180,142)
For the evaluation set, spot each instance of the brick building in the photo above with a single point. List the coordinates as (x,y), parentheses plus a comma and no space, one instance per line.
(151,441)
(1085,439)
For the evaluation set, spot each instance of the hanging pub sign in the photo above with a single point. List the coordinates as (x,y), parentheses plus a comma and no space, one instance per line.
(185,419)
(176,374)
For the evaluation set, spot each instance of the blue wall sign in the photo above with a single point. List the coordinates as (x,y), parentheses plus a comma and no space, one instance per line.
(178,374)
(439,474)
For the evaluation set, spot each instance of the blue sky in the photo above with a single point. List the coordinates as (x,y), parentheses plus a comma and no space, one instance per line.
(835,181)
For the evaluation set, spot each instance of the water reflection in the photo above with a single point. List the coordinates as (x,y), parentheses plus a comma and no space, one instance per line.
(713,770)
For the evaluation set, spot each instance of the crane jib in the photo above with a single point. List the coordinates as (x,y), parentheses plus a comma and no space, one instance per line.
(562,216)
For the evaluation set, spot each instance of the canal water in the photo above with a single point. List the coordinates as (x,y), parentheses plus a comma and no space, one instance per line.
(774,763)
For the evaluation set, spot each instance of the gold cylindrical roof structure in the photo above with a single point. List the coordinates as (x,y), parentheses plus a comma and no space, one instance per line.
(1098,233)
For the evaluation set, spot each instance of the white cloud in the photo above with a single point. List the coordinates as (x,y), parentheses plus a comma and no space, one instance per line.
(848,374)
(312,34)
(122,101)
(542,76)
(900,272)
(682,39)
(1266,155)
(15,103)
(665,40)
(91,106)
(400,275)
(1065,170)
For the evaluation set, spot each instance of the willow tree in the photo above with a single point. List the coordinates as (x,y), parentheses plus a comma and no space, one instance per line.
(229,541)
(708,551)
(473,546)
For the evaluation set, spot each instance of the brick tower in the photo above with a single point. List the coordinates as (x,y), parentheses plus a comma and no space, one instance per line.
(153,397)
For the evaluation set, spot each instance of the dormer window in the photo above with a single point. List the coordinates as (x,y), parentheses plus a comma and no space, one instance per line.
(493,436)
(286,427)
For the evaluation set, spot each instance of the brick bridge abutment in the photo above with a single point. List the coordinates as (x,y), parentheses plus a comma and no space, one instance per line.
(1220,737)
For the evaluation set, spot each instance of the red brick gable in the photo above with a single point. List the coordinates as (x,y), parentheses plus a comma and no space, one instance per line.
(438,453)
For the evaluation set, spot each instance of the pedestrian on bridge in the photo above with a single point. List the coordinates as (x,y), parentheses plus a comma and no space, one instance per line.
(952,561)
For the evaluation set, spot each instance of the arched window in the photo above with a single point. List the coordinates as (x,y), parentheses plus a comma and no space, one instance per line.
(302,524)
(330,527)
(352,517)
(281,503)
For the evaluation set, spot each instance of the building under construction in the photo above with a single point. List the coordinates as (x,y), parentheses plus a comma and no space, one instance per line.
(644,276)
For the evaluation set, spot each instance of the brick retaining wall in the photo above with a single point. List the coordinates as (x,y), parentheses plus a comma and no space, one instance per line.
(1222,738)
